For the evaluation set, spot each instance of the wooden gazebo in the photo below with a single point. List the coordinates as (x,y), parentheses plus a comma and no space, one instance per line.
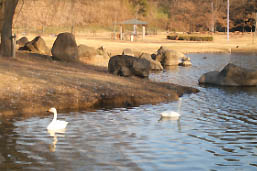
(133,22)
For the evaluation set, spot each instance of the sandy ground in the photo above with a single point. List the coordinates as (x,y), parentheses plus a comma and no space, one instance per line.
(237,42)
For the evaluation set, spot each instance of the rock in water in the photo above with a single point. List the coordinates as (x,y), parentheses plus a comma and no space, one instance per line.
(230,75)
(124,65)
(155,65)
(168,57)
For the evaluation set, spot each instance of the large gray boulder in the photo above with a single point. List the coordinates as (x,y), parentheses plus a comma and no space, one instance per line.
(85,51)
(128,52)
(102,51)
(185,62)
(125,65)
(65,47)
(230,75)
(154,65)
(168,57)
(92,56)
(22,41)
(37,45)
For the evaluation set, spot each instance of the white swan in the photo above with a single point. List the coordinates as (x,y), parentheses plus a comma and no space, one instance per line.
(169,114)
(172,115)
(56,124)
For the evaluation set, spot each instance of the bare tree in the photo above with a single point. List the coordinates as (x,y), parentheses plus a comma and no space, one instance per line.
(6,32)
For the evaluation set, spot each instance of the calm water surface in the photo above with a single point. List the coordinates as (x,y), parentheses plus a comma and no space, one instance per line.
(217,131)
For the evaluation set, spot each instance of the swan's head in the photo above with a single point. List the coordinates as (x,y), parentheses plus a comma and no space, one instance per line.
(53,110)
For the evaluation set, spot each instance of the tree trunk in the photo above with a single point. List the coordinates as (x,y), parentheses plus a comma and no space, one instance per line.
(6,33)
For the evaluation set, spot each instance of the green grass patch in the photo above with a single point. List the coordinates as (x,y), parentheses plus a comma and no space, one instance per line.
(190,37)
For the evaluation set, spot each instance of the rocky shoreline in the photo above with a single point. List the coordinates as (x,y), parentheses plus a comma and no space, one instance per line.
(32,83)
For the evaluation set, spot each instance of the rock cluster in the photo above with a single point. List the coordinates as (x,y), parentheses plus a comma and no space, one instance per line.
(165,57)
(128,64)
(37,45)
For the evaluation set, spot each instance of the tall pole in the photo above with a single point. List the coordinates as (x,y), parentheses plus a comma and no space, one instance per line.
(228,21)
(255,26)
(212,18)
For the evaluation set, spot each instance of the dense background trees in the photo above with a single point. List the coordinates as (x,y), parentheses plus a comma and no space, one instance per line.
(175,15)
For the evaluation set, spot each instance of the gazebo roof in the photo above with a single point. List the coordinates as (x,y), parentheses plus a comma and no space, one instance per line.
(134,22)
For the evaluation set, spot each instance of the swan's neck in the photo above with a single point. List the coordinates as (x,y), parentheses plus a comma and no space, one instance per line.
(55,116)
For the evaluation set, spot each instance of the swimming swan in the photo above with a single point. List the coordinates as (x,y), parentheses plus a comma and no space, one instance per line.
(171,114)
(56,124)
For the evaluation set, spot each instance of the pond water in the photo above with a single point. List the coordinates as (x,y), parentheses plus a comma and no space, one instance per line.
(217,130)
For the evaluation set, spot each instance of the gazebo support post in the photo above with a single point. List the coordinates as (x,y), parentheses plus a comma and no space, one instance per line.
(133,22)
(121,36)
(134,29)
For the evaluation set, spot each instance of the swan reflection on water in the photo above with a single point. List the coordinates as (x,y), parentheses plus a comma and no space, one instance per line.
(55,134)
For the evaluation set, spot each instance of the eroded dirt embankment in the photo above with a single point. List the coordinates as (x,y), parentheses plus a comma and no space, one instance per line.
(31,83)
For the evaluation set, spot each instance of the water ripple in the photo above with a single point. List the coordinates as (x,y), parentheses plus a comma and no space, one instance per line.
(216,131)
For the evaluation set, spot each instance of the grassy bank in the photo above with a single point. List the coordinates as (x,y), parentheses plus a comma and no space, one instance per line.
(33,83)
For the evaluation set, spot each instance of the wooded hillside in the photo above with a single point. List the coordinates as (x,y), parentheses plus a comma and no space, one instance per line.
(172,15)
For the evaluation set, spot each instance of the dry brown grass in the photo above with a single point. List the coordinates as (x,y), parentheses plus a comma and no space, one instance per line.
(33,83)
